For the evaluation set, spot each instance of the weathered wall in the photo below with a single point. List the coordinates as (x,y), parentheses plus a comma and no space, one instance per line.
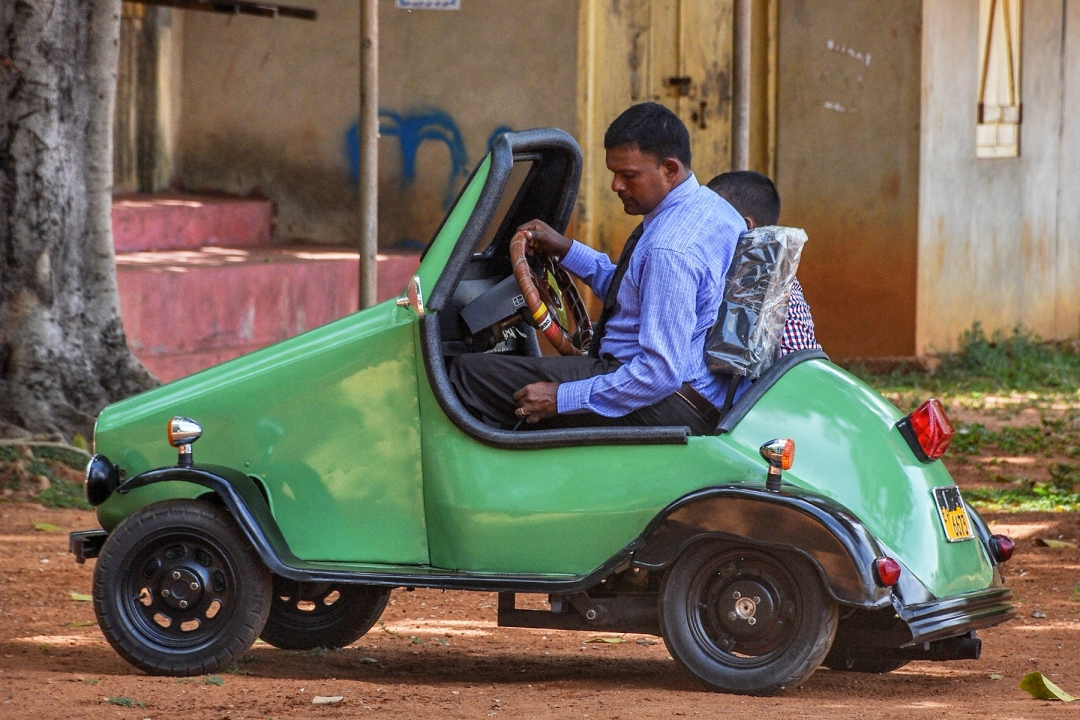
(999,239)
(848,165)
(270,106)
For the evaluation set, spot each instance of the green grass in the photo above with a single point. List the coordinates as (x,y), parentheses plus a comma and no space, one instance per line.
(72,457)
(64,494)
(124,701)
(1024,497)
(998,364)
(1051,437)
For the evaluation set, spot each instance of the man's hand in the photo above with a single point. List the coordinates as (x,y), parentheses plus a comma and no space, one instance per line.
(537,401)
(541,236)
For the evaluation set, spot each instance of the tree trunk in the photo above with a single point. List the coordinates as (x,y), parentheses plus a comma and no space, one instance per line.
(63,354)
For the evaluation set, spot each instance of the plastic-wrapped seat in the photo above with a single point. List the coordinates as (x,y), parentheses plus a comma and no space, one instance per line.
(745,340)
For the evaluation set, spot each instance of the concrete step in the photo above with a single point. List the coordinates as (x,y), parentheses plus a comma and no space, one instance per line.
(186,310)
(177,221)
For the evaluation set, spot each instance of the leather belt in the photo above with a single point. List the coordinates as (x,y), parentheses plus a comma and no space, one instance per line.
(696,400)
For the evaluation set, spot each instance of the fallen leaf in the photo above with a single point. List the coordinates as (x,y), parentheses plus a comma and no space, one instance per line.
(441,641)
(82,597)
(646,641)
(326,699)
(1042,689)
(45,527)
(388,631)
(995,676)
(369,660)
(611,640)
(416,640)
(80,623)
(1038,614)
(1057,544)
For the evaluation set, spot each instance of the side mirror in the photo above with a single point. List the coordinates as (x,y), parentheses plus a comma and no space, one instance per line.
(414,297)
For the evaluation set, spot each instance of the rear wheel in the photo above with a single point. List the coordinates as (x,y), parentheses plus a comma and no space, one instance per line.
(746,620)
(329,615)
(179,591)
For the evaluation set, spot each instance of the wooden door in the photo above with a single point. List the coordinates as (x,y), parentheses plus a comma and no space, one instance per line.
(675,52)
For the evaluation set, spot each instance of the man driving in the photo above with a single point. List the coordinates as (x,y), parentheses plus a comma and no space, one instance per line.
(647,363)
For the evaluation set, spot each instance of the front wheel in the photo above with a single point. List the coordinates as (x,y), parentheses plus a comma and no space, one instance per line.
(746,620)
(310,615)
(178,590)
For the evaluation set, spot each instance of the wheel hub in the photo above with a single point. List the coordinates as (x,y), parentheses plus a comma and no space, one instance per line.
(746,608)
(181,589)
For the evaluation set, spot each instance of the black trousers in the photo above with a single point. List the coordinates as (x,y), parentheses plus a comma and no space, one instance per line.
(485,383)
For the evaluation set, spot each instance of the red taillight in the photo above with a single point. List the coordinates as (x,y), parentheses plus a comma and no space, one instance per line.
(1002,547)
(927,430)
(887,571)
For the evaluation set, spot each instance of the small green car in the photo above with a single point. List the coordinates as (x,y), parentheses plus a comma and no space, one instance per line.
(339,464)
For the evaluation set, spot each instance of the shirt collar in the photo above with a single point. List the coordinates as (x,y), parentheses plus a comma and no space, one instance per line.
(677,194)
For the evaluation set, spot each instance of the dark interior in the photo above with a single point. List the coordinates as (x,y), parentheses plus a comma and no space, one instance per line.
(476,304)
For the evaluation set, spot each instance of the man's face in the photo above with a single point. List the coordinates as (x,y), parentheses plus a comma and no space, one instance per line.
(641,180)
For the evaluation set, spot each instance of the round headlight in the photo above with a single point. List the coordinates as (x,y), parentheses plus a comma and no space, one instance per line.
(102,478)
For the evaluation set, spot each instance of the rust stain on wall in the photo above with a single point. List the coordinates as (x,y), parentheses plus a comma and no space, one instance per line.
(890,186)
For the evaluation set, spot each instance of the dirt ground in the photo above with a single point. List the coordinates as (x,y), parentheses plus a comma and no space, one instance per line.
(441,654)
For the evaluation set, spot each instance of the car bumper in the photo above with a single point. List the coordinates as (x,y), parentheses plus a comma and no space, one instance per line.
(86,544)
(956,615)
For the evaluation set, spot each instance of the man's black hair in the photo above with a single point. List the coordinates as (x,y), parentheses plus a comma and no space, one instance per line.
(655,131)
(750,193)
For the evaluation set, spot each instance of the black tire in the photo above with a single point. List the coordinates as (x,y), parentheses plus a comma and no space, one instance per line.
(837,660)
(178,590)
(329,615)
(745,620)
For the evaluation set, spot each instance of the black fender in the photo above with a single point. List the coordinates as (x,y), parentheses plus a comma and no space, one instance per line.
(244,500)
(818,528)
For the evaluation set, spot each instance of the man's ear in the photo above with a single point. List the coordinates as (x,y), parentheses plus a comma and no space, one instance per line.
(750,224)
(671,168)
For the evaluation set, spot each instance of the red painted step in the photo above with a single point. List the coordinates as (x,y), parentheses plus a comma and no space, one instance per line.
(186,221)
(200,283)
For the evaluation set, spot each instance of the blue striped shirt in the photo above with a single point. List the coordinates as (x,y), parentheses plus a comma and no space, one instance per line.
(666,304)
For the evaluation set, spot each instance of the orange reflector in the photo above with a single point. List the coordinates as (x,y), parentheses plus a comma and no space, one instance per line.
(787,457)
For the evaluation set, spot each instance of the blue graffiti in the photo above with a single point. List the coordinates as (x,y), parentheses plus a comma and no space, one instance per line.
(412,130)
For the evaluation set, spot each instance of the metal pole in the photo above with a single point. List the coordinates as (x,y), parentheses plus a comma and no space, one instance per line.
(740,116)
(369,151)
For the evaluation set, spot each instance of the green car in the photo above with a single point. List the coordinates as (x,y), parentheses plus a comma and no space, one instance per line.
(339,464)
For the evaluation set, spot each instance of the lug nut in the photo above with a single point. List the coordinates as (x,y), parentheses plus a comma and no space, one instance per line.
(731,616)
(165,593)
(752,621)
(736,594)
(194,586)
(757,600)
(183,604)
(176,575)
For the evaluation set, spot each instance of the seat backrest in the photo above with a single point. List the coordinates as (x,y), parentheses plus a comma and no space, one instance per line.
(745,339)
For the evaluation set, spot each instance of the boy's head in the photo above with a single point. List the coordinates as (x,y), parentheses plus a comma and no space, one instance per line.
(751,194)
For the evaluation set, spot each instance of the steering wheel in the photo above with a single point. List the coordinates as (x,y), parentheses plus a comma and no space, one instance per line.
(552,298)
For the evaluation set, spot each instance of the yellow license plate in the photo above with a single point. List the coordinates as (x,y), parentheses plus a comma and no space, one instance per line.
(953,515)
